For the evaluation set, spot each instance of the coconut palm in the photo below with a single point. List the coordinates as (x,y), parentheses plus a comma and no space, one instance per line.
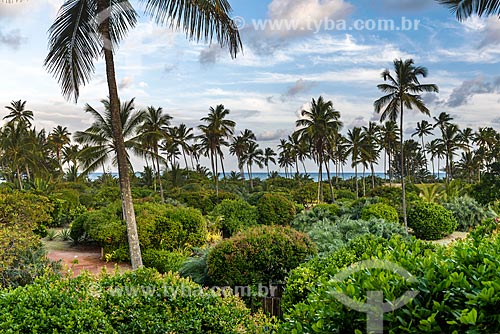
(98,140)
(403,91)
(213,136)
(371,148)
(389,138)
(239,146)
(450,141)
(423,129)
(86,30)
(317,126)
(355,137)
(19,113)
(253,155)
(442,121)
(151,131)
(464,9)
(285,159)
(183,135)
(59,138)
(269,155)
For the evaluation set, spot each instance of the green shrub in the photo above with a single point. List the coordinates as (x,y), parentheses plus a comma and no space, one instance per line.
(381,211)
(204,200)
(345,194)
(162,260)
(306,193)
(275,210)
(467,212)
(259,255)
(141,301)
(305,221)
(431,221)
(333,209)
(170,228)
(330,235)
(67,207)
(236,216)
(457,291)
(195,267)
(488,190)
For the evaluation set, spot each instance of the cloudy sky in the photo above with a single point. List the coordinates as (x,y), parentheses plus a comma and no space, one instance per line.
(294,50)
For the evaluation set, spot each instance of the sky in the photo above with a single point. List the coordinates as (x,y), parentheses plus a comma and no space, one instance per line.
(294,50)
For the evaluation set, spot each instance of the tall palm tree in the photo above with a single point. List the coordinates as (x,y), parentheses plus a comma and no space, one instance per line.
(239,146)
(423,129)
(371,147)
(317,125)
(98,139)
(450,141)
(466,8)
(59,138)
(269,155)
(151,131)
(213,136)
(253,155)
(390,136)
(355,137)
(86,30)
(183,136)
(19,113)
(442,121)
(403,91)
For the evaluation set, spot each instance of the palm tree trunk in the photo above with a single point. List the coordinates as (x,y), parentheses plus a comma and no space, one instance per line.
(222,166)
(121,154)
(356,179)
(320,173)
(158,174)
(385,166)
(242,169)
(250,175)
(304,166)
(28,174)
(390,170)
(433,170)
(330,181)
(214,172)
(373,175)
(185,159)
(267,167)
(19,178)
(402,168)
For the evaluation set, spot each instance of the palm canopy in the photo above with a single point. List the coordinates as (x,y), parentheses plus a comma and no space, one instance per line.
(403,90)
(76,43)
(466,8)
(98,138)
(18,113)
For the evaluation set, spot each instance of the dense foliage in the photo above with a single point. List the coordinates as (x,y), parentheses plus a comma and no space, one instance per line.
(236,215)
(467,212)
(275,210)
(381,211)
(140,301)
(262,254)
(431,221)
(457,287)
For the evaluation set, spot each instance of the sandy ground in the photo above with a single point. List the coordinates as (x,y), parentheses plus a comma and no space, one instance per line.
(452,237)
(79,259)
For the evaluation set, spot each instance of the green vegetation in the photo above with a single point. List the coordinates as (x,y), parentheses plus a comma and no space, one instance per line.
(431,221)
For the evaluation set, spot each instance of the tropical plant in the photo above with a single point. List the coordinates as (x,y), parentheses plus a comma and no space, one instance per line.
(316,126)
(403,90)
(86,30)
(464,9)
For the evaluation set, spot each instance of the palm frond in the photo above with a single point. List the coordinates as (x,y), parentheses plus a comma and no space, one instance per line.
(463,9)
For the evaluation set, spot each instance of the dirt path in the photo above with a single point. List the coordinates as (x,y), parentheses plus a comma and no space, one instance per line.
(79,259)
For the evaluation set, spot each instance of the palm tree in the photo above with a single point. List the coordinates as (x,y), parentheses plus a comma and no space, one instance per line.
(355,138)
(98,139)
(423,129)
(253,155)
(183,136)
(442,121)
(285,159)
(390,136)
(316,126)
(213,134)
(239,146)
(19,113)
(403,91)
(86,30)
(371,147)
(58,138)
(152,130)
(464,9)
(450,142)
(269,155)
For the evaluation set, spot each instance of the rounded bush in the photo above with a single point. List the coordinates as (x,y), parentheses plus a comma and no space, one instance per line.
(381,211)
(236,216)
(275,210)
(162,260)
(431,221)
(262,254)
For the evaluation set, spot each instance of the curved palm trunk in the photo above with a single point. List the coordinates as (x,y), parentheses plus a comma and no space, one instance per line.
(249,167)
(185,159)
(222,166)
(121,154)
(356,179)
(402,168)
(158,173)
(390,170)
(373,175)
(364,181)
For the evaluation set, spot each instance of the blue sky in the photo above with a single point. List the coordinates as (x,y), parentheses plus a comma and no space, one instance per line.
(280,70)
